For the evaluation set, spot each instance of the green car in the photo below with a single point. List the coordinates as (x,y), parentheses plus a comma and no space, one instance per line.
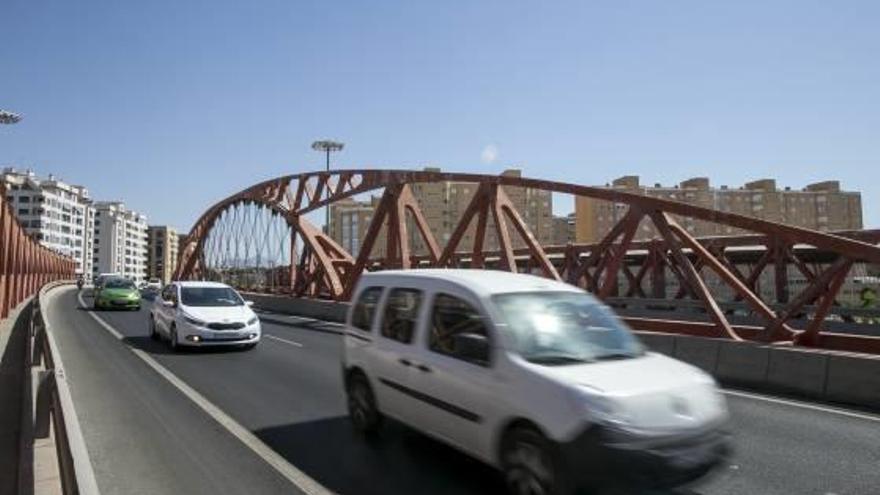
(119,293)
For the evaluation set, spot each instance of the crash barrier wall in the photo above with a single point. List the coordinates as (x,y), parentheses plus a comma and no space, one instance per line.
(13,344)
(859,321)
(848,378)
(51,414)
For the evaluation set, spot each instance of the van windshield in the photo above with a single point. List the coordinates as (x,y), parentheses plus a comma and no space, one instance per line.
(558,328)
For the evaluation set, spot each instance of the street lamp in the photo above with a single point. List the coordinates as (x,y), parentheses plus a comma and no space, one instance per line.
(327,146)
(9,117)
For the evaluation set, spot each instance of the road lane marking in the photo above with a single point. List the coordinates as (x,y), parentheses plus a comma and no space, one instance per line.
(302,481)
(299,319)
(296,344)
(803,405)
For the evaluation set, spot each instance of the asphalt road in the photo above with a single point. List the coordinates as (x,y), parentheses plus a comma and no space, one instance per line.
(145,436)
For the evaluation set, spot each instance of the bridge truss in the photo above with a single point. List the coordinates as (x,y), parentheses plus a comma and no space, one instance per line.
(260,239)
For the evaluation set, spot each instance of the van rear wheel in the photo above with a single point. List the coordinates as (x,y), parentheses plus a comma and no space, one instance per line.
(362,410)
(530,464)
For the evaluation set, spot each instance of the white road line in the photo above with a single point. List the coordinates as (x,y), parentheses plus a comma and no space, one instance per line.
(267,336)
(803,405)
(302,481)
(300,319)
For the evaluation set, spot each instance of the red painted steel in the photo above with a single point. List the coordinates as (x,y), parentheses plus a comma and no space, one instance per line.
(325,269)
(25,264)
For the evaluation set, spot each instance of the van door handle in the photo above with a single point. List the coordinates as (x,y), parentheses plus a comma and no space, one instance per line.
(424,368)
(405,362)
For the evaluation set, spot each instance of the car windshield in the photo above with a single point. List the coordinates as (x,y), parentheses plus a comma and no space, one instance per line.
(118,283)
(557,328)
(210,296)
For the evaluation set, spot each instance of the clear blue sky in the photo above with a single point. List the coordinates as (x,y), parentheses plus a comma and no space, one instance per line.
(171,105)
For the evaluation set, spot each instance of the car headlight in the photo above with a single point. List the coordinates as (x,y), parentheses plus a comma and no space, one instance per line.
(252,321)
(193,321)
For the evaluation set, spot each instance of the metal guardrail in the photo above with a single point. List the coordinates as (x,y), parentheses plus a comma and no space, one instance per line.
(53,411)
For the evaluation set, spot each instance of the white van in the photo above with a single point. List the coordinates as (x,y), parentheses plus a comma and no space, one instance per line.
(532,376)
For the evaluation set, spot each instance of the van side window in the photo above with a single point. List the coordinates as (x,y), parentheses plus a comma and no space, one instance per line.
(365,309)
(401,314)
(451,317)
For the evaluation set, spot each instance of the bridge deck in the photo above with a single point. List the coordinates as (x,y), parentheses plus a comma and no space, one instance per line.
(147,437)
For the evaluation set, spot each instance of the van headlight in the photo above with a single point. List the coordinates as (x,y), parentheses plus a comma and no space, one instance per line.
(601,408)
(193,321)
(252,321)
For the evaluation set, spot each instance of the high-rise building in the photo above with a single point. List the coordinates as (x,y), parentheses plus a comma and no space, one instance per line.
(349,221)
(442,204)
(120,244)
(57,214)
(564,229)
(822,206)
(162,243)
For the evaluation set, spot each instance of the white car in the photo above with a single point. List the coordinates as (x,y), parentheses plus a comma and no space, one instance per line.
(203,314)
(532,376)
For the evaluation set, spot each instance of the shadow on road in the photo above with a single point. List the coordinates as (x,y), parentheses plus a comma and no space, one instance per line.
(400,461)
(313,325)
(150,346)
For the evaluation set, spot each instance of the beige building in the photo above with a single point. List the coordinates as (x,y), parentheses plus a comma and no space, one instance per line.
(821,206)
(442,204)
(162,247)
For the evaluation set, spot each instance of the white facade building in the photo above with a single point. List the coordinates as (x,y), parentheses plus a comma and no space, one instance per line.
(57,214)
(120,241)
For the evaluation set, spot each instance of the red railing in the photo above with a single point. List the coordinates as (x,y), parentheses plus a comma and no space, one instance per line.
(25,264)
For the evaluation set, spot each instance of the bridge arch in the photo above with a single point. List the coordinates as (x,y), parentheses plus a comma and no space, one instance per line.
(318,267)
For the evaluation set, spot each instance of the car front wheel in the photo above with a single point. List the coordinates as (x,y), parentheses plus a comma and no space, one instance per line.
(530,465)
(362,410)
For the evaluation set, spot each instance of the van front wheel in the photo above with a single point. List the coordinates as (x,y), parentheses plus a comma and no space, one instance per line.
(530,464)
(365,416)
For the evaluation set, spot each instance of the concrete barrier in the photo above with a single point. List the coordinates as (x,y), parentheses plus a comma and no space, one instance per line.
(798,371)
(834,376)
(854,379)
(742,363)
(701,352)
(309,308)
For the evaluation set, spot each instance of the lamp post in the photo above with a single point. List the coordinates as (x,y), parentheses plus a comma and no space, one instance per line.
(9,117)
(327,146)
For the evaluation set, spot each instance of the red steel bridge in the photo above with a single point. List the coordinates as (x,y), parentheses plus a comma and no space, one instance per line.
(260,239)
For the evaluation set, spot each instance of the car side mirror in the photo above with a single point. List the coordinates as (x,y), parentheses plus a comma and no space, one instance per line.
(249,303)
(169,303)
(472,347)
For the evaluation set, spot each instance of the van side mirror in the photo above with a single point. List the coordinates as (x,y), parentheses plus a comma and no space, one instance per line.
(471,347)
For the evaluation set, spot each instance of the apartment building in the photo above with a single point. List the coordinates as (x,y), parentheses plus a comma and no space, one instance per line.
(120,244)
(442,204)
(821,206)
(564,229)
(59,215)
(162,248)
